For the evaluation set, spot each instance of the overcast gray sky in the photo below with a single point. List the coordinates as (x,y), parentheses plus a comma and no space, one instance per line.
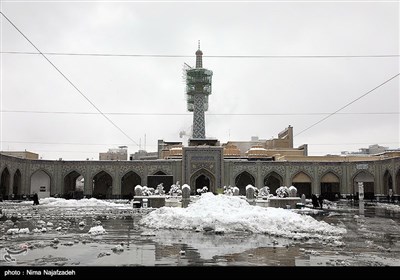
(297,91)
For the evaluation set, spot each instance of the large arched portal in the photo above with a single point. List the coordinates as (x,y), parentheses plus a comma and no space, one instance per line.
(273,180)
(387,182)
(40,184)
(102,185)
(4,183)
(128,183)
(73,185)
(302,182)
(244,179)
(200,179)
(368,183)
(17,184)
(330,186)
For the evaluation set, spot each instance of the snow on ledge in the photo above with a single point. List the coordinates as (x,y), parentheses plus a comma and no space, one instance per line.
(185,186)
(249,187)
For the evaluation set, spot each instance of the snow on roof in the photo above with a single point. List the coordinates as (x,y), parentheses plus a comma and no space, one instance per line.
(233,214)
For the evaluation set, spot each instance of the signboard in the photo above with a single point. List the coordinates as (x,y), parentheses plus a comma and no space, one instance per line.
(361,190)
(362,166)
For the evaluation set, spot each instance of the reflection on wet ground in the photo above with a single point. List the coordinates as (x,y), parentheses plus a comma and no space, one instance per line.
(59,236)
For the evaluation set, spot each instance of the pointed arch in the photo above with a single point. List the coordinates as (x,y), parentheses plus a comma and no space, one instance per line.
(330,186)
(128,183)
(368,182)
(159,172)
(397,189)
(201,176)
(4,183)
(17,183)
(202,181)
(102,185)
(73,185)
(302,181)
(387,182)
(242,180)
(273,180)
(41,183)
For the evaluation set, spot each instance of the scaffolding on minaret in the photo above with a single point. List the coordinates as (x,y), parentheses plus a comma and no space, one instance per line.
(198,88)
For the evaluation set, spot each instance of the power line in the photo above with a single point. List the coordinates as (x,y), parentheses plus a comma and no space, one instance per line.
(348,104)
(68,80)
(209,56)
(189,114)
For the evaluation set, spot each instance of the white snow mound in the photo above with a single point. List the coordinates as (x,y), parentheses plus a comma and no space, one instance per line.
(97,230)
(233,214)
(52,201)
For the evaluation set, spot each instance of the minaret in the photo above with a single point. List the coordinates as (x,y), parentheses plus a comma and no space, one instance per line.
(198,88)
(199,57)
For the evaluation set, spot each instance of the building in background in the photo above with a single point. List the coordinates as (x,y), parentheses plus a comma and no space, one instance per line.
(143,155)
(371,150)
(21,154)
(115,154)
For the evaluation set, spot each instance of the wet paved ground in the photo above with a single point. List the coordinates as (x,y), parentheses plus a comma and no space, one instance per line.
(372,239)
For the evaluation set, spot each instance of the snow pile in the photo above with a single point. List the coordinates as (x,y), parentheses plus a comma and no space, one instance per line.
(52,201)
(393,207)
(18,231)
(97,230)
(233,214)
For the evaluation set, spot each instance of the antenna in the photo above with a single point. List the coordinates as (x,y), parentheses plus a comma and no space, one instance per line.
(199,45)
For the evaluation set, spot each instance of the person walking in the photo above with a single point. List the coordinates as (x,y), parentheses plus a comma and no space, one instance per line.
(320,200)
(35,199)
(314,200)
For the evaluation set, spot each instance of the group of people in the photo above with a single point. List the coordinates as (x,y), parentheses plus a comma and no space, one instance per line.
(317,201)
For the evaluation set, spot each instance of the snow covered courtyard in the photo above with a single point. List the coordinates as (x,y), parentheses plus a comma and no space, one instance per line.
(214,230)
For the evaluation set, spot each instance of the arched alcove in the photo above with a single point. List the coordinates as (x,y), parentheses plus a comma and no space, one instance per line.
(244,179)
(302,182)
(102,185)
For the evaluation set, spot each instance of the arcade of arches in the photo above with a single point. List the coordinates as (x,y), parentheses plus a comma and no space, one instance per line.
(23,177)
